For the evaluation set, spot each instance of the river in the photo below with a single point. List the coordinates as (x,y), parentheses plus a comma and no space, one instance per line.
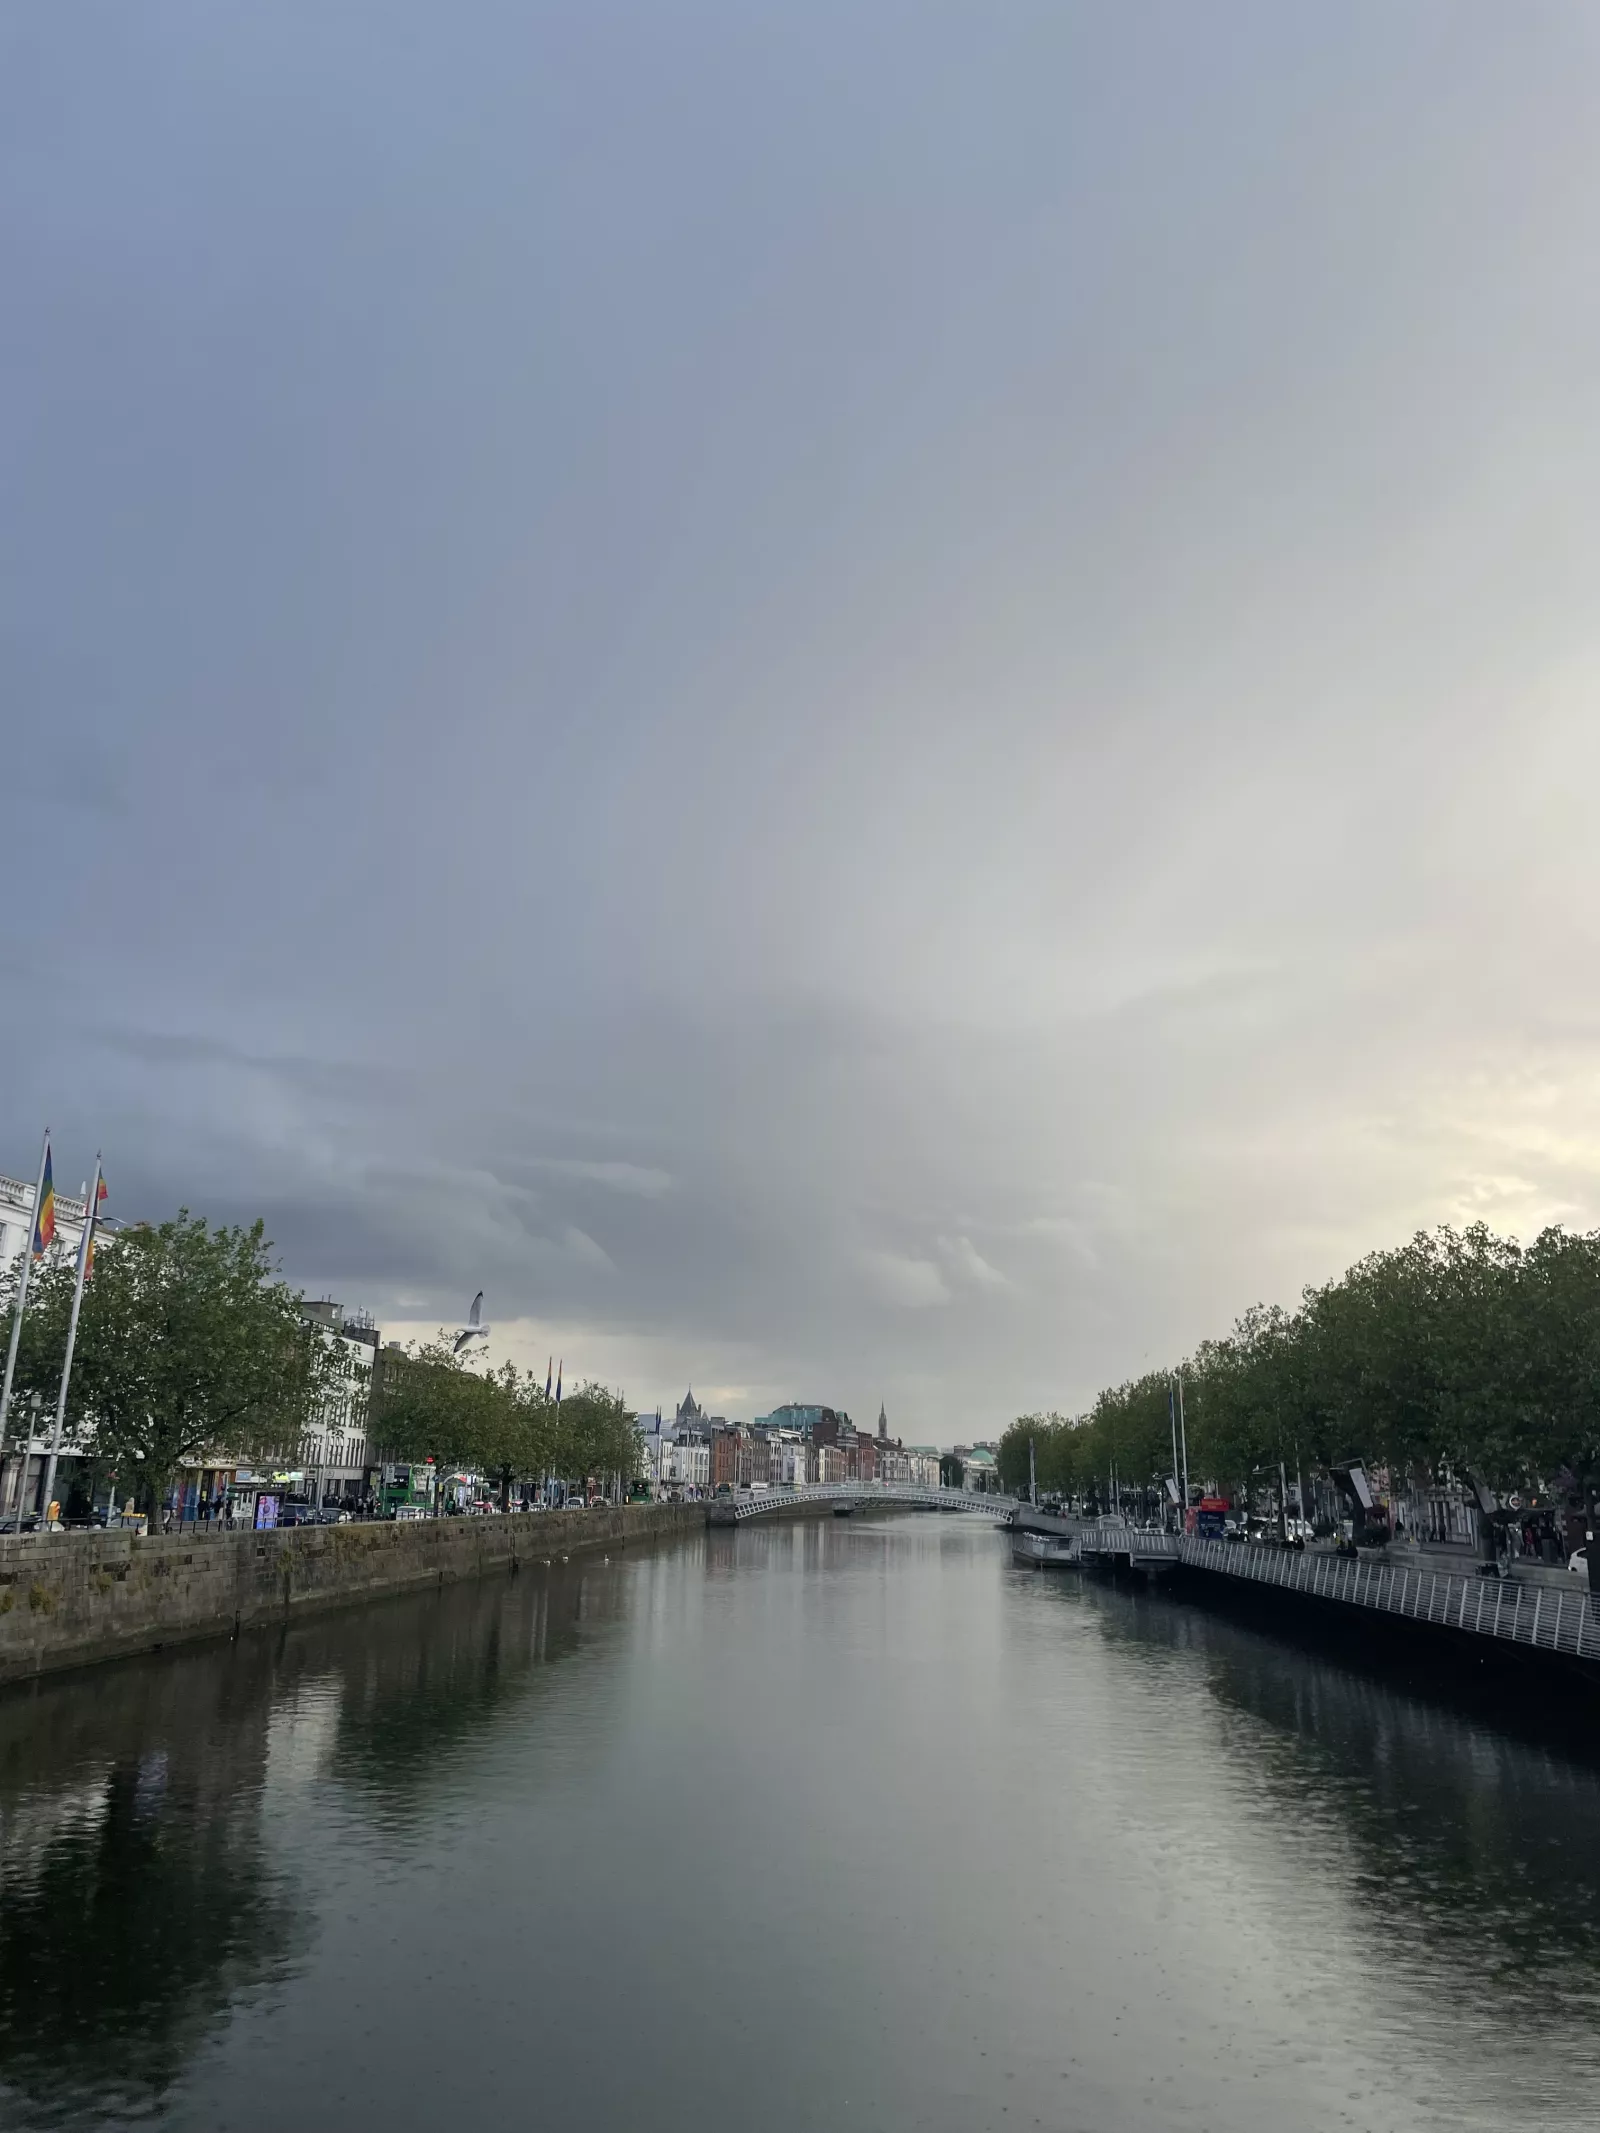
(825,1824)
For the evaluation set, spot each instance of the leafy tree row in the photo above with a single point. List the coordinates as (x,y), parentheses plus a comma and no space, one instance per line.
(431,1406)
(1458,1354)
(191,1348)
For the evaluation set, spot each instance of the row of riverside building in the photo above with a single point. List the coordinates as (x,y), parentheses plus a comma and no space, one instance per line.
(338,1461)
(699,1453)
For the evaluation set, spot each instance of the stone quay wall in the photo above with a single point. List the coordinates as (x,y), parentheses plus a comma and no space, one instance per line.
(67,1599)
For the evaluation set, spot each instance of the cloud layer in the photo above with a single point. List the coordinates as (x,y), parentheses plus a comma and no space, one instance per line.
(870,703)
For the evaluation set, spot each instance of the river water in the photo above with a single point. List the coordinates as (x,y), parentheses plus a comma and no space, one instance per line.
(834,1824)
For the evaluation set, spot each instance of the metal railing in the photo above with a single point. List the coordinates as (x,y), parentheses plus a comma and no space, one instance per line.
(1535,1615)
(1110,1536)
(745,1505)
(1048,1547)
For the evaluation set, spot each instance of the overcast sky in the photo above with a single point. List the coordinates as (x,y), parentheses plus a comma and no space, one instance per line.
(860,701)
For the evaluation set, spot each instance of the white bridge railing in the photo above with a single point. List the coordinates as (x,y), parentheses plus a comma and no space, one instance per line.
(752,1503)
(1537,1615)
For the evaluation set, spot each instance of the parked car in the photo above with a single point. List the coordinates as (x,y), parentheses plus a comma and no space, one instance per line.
(408,1513)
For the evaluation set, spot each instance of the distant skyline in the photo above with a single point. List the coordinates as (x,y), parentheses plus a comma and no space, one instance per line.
(862,703)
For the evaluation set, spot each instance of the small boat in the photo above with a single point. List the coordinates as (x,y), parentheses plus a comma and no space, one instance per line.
(1045,1551)
(843,1510)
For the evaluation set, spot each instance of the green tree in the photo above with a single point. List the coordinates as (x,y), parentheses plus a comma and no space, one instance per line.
(1458,1354)
(431,1405)
(189,1347)
(1557,1347)
(598,1436)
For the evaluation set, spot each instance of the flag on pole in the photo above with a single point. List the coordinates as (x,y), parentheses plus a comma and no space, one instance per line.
(549,1366)
(94,1223)
(44,1215)
(91,1203)
(558,1388)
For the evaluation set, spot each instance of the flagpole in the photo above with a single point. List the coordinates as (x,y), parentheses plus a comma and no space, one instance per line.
(1172,1417)
(22,1300)
(1183,1434)
(85,1247)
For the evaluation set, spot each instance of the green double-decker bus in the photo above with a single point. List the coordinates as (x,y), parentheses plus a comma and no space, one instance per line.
(405,1487)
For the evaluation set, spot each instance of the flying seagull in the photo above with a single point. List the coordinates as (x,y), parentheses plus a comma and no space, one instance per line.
(474,1330)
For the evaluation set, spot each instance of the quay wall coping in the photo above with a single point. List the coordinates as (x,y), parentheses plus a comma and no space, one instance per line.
(68,1599)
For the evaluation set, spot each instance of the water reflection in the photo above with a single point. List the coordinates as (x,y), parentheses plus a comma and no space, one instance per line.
(137,1894)
(1463,1846)
(953,1845)
(143,1812)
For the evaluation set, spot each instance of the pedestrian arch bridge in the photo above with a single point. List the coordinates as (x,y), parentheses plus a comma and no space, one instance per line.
(867,1495)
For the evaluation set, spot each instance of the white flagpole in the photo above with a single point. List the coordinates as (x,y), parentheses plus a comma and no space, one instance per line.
(1172,1417)
(22,1301)
(85,1246)
(1183,1435)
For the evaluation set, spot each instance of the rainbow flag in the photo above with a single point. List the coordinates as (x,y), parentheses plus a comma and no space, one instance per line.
(44,1215)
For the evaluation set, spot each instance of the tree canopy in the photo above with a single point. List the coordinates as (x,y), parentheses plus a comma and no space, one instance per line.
(432,1405)
(1460,1353)
(188,1344)
(191,1347)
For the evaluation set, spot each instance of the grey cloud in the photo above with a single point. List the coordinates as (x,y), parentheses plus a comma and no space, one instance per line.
(907,1284)
(635,1178)
(967,1263)
(861,716)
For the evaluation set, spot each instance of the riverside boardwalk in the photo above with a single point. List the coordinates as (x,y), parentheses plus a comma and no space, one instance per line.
(1555,1614)
(1562,1620)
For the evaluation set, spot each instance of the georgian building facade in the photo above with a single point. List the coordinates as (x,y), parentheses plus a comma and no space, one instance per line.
(336,1454)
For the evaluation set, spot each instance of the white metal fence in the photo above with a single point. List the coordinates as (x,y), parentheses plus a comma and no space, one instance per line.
(1109,1536)
(1537,1615)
